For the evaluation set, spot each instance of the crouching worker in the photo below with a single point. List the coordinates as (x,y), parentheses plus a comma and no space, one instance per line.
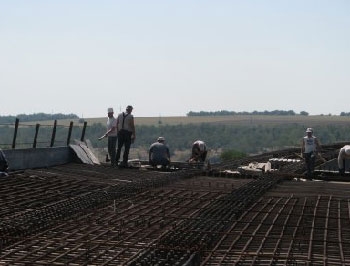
(344,153)
(159,154)
(3,164)
(199,151)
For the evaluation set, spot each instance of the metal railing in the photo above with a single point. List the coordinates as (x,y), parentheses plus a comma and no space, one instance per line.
(47,138)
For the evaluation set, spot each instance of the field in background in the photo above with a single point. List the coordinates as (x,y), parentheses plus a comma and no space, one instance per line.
(182,155)
(229,120)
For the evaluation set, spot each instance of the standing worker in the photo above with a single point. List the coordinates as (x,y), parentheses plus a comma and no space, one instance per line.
(199,151)
(159,153)
(126,134)
(344,153)
(112,135)
(310,147)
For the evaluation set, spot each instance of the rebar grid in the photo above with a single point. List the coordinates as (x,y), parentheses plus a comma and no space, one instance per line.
(32,220)
(287,231)
(96,215)
(122,230)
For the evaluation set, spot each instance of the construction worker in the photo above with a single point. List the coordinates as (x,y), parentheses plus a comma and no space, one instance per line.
(344,153)
(3,164)
(159,153)
(309,148)
(112,135)
(126,135)
(199,151)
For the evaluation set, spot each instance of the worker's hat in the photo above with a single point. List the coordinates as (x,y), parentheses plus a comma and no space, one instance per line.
(309,129)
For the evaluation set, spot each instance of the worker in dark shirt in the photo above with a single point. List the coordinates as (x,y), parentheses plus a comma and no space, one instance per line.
(159,153)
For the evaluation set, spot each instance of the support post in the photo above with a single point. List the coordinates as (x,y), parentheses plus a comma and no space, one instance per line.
(83,132)
(36,134)
(69,132)
(15,134)
(53,134)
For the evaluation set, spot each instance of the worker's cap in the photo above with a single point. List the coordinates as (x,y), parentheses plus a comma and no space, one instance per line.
(347,150)
(110,110)
(129,107)
(309,129)
(161,139)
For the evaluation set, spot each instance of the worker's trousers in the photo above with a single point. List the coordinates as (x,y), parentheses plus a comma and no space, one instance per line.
(310,163)
(124,139)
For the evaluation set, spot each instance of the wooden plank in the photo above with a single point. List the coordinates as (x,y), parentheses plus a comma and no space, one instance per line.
(89,153)
(84,154)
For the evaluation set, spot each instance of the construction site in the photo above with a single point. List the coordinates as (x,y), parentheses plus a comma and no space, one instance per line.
(253,211)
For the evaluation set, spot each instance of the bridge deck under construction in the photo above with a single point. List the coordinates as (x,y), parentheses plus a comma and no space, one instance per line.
(78,214)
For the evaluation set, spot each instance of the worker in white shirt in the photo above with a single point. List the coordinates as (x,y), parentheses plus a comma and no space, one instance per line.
(310,147)
(344,153)
(199,151)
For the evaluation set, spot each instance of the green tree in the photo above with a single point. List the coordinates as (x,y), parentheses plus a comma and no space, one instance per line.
(227,155)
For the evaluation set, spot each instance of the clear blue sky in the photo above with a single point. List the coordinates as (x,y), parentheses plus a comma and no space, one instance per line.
(167,58)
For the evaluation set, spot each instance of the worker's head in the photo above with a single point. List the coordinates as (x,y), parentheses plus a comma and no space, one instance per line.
(129,108)
(110,112)
(161,139)
(347,150)
(309,131)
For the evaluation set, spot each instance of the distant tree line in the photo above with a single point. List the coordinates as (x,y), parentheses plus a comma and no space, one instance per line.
(249,139)
(36,117)
(231,140)
(224,112)
(58,116)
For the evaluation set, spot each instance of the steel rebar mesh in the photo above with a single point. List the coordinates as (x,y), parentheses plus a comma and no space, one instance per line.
(103,216)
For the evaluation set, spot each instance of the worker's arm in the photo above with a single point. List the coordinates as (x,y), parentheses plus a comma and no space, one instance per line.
(112,129)
(168,154)
(341,161)
(302,147)
(196,154)
(194,157)
(117,123)
(132,125)
(106,134)
(150,152)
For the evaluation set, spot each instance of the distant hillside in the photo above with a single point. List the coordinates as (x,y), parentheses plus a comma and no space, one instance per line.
(274,112)
(229,120)
(225,112)
(235,120)
(250,134)
(36,117)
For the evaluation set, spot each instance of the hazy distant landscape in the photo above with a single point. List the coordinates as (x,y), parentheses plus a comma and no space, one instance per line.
(216,117)
(228,120)
(249,134)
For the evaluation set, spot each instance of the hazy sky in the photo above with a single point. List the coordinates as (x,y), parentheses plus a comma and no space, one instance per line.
(168,57)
